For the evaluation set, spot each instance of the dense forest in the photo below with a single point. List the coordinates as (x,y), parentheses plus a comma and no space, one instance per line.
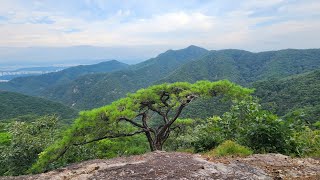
(13,105)
(244,67)
(276,109)
(293,94)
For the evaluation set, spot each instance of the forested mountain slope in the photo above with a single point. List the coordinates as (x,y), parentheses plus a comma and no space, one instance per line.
(13,105)
(244,67)
(32,85)
(190,64)
(99,89)
(294,93)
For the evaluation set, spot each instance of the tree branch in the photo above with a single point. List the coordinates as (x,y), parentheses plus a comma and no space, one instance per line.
(183,105)
(144,122)
(176,127)
(94,140)
(60,154)
(164,101)
(149,105)
(155,110)
(110,136)
(168,124)
(177,113)
(132,122)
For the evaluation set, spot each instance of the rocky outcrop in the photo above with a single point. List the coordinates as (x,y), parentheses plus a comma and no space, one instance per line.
(175,165)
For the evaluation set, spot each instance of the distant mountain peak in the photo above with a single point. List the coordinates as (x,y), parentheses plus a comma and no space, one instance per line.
(193,46)
(112,61)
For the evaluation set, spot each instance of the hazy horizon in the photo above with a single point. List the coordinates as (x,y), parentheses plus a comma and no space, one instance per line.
(83,55)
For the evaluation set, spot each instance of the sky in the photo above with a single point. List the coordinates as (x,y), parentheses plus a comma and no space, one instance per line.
(254,25)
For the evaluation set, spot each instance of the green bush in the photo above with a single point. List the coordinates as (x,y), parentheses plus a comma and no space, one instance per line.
(316,125)
(270,136)
(256,128)
(253,127)
(205,142)
(230,148)
(193,135)
(189,150)
(27,140)
(207,135)
(5,138)
(307,142)
(181,138)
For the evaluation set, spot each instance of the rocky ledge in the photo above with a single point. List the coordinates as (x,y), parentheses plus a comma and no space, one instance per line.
(184,166)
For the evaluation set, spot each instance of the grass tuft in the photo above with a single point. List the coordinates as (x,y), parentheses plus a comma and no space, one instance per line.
(229,148)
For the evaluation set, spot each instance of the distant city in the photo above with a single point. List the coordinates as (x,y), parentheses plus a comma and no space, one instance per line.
(7,75)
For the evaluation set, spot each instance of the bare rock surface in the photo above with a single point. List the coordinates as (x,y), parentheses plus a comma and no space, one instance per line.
(174,165)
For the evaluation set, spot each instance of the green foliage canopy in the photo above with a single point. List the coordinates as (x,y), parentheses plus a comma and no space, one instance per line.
(249,125)
(24,142)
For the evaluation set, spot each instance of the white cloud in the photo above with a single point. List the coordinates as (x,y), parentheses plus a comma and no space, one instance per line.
(261,4)
(311,7)
(177,28)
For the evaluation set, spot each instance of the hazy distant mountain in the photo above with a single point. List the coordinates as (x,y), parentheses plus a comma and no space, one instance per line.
(32,85)
(42,56)
(14,104)
(48,68)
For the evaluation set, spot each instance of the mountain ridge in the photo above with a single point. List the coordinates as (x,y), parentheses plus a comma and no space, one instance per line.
(245,67)
(107,87)
(190,64)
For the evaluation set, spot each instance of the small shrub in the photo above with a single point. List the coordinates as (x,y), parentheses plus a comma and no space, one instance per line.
(205,142)
(230,148)
(5,138)
(188,150)
(307,143)
(269,136)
